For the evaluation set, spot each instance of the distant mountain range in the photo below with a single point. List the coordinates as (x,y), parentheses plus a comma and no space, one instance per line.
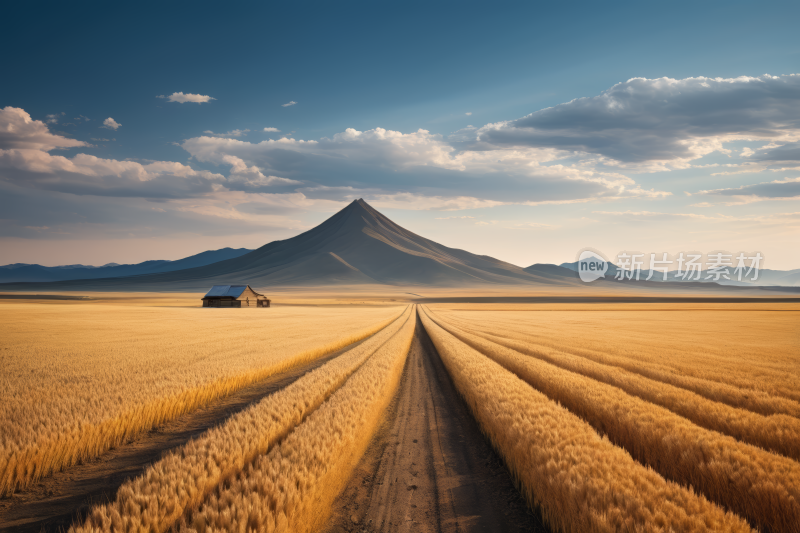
(356,246)
(25,272)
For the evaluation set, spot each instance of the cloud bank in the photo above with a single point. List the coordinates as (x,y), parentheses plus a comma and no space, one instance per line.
(19,131)
(660,120)
(588,150)
(26,161)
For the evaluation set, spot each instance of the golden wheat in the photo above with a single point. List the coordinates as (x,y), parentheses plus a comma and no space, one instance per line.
(293,486)
(777,433)
(761,486)
(580,481)
(88,378)
(763,381)
(745,345)
(180,481)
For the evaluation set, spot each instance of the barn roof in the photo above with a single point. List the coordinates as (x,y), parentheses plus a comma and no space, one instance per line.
(233,291)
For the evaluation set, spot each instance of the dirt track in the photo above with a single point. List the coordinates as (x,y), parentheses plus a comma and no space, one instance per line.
(56,501)
(429,468)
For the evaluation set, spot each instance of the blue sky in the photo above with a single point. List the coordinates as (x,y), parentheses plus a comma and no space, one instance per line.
(368,79)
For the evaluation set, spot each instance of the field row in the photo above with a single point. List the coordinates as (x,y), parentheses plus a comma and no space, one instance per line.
(86,380)
(761,486)
(778,432)
(278,464)
(741,356)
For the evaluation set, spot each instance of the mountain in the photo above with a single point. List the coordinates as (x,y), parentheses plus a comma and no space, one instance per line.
(21,272)
(357,245)
(551,271)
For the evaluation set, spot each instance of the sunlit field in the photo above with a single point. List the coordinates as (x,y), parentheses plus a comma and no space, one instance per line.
(607,417)
(79,379)
(705,397)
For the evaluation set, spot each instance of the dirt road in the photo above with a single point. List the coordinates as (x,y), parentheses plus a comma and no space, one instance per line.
(56,501)
(429,468)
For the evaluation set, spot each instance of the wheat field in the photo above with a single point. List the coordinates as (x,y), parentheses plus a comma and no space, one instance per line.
(579,480)
(603,367)
(182,480)
(611,418)
(777,433)
(78,380)
(293,486)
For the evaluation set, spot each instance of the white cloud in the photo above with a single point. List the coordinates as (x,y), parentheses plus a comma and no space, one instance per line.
(182,98)
(746,152)
(274,130)
(243,177)
(53,119)
(230,134)
(86,174)
(380,152)
(453,218)
(111,124)
(18,130)
(468,113)
(661,121)
(377,146)
(289,104)
(25,161)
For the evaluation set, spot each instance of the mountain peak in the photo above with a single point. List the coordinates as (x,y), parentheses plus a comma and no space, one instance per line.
(359,203)
(357,245)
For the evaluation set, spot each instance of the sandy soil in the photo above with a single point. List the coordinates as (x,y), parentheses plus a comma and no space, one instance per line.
(55,502)
(429,468)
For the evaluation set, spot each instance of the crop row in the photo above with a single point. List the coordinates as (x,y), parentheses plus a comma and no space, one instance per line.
(96,378)
(761,486)
(579,480)
(181,481)
(748,350)
(651,365)
(292,488)
(777,433)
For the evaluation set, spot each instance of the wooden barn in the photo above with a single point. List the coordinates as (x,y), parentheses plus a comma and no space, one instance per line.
(234,296)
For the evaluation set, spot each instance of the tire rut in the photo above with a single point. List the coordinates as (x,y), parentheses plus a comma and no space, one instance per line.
(429,468)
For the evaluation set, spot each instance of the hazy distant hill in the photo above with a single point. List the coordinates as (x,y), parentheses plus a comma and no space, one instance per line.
(24,272)
(357,245)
